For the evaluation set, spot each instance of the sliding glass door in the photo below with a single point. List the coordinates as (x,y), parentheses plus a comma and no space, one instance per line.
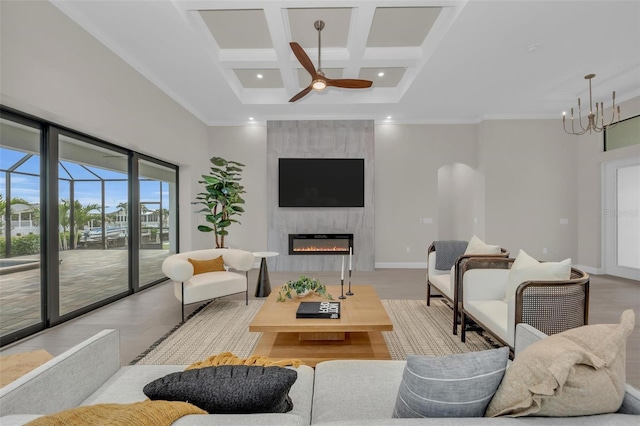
(21,293)
(82,223)
(93,257)
(157,185)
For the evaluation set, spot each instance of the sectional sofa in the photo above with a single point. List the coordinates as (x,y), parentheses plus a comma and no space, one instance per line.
(341,392)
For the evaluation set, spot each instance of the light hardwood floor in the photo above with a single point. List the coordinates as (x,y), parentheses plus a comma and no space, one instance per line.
(147,316)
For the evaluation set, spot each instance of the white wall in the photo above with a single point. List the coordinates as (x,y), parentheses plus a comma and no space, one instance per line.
(407,161)
(534,174)
(55,70)
(530,172)
(246,145)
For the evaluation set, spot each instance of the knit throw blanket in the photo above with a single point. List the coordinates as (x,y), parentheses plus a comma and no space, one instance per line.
(152,413)
(227,358)
(447,252)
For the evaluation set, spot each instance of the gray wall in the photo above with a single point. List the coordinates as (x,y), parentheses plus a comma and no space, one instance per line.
(320,139)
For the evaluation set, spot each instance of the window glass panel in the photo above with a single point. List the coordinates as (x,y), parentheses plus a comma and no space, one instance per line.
(95,264)
(20,256)
(31,166)
(9,157)
(622,134)
(157,210)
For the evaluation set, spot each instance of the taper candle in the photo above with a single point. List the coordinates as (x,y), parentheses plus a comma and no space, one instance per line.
(350,252)
(342,275)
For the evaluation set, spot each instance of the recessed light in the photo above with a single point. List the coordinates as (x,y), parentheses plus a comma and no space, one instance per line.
(259,76)
(250,118)
(388,117)
(533,47)
(380,74)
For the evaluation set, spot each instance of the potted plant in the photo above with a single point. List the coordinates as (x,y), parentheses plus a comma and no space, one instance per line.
(302,287)
(222,198)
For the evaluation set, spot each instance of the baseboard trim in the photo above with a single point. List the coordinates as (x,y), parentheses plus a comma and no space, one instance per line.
(590,269)
(401,265)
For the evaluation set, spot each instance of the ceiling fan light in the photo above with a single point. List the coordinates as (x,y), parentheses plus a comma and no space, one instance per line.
(319,84)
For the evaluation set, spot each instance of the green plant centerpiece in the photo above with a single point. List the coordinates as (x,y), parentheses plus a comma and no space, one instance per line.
(222,198)
(302,287)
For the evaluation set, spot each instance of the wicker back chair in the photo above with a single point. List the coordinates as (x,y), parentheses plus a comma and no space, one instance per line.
(456,300)
(549,306)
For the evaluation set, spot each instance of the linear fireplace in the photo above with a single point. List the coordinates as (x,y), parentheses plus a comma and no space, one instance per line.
(320,243)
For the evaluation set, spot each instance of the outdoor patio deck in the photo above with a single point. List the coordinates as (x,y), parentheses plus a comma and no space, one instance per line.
(86,277)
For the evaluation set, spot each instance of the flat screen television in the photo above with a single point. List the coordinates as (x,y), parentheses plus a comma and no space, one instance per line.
(321,182)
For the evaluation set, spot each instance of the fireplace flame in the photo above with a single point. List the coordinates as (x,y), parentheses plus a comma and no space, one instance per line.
(315,249)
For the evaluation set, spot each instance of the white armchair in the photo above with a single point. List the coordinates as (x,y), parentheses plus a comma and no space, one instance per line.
(447,282)
(190,288)
(550,306)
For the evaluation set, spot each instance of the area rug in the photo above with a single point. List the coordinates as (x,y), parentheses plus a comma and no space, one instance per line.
(222,326)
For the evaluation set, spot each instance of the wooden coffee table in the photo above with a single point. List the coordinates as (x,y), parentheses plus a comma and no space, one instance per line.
(356,335)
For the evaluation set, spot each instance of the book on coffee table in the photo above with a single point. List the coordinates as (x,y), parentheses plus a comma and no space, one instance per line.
(318,310)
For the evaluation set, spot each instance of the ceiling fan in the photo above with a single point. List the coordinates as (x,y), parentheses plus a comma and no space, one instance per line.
(318,81)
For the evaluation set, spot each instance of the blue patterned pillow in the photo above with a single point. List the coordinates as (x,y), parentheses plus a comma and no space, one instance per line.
(460,385)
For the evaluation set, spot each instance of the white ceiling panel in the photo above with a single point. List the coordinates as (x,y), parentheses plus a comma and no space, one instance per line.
(474,59)
(238,29)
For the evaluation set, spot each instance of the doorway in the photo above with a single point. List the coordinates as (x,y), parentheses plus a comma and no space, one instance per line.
(621,217)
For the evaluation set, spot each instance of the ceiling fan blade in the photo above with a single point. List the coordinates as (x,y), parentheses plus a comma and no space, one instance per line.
(349,83)
(301,94)
(303,59)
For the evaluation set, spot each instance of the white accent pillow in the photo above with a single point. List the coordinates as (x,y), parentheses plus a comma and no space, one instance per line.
(526,268)
(477,246)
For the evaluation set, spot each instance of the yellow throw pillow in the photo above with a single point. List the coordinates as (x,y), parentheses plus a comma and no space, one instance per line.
(156,413)
(578,372)
(211,265)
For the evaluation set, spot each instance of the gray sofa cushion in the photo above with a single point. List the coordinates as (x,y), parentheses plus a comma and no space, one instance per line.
(459,385)
(228,389)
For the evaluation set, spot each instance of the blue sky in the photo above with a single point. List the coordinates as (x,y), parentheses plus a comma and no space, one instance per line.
(27,187)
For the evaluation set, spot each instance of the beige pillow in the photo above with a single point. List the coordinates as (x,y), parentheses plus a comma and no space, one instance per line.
(477,246)
(210,265)
(578,372)
(526,268)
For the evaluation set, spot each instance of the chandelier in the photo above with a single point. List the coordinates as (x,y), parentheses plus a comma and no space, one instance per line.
(595,118)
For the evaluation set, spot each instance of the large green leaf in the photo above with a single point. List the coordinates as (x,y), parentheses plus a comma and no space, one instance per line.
(204,228)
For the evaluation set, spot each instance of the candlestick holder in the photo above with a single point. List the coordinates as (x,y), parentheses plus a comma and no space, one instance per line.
(349,293)
(342,296)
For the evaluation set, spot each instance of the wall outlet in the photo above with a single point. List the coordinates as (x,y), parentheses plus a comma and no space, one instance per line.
(545,251)
(408,249)
(427,220)
(564,221)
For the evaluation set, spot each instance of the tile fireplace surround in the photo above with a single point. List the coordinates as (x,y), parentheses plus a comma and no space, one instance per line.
(320,139)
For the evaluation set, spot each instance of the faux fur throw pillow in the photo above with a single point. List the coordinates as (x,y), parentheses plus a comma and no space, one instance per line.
(578,372)
(155,413)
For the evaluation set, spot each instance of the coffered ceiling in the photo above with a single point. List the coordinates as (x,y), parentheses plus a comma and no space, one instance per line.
(430,61)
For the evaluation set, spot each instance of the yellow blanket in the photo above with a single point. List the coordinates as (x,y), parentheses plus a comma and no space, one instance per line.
(151,413)
(227,358)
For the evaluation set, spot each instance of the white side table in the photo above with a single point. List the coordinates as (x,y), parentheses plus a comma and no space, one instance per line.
(263,287)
